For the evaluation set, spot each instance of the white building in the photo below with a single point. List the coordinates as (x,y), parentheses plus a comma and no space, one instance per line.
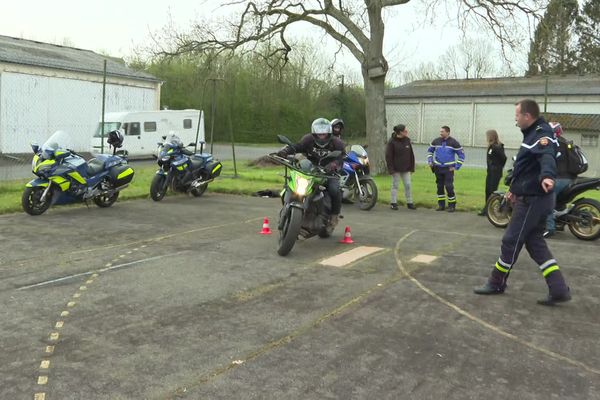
(472,106)
(46,87)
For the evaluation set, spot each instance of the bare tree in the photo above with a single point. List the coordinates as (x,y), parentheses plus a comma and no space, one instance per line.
(357,26)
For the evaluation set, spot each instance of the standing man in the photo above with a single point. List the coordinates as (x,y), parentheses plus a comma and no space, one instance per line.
(530,191)
(400,161)
(444,156)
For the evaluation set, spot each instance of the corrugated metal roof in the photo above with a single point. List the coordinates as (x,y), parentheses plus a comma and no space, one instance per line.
(39,54)
(576,122)
(490,87)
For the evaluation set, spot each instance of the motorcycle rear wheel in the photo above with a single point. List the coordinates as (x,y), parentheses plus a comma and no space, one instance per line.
(369,196)
(105,201)
(158,188)
(587,225)
(31,200)
(290,230)
(199,191)
(498,213)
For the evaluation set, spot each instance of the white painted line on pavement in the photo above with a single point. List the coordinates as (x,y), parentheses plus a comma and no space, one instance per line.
(350,256)
(424,258)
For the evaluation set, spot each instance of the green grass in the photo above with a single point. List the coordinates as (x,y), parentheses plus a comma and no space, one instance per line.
(469,186)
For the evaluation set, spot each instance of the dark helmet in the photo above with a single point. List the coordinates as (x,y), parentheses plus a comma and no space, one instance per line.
(321,131)
(337,122)
(115,138)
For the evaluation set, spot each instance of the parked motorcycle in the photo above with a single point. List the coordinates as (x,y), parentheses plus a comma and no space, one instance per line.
(181,169)
(582,216)
(65,177)
(306,207)
(357,185)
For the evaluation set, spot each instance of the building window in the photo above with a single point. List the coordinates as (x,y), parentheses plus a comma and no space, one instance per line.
(187,123)
(589,140)
(149,126)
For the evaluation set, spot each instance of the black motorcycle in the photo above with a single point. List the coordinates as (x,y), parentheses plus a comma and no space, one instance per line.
(182,170)
(582,216)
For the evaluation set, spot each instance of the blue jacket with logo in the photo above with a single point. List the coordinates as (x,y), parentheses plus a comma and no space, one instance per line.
(445,153)
(535,161)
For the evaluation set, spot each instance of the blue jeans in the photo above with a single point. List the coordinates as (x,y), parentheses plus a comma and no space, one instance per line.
(559,186)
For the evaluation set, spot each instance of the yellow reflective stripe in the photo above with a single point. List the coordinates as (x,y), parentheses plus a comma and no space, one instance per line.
(181,167)
(501,268)
(125,173)
(45,162)
(40,184)
(216,168)
(549,270)
(459,162)
(58,152)
(75,175)
(61,182)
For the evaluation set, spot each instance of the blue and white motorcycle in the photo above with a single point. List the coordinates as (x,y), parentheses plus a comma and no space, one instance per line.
(358,187)
(64,177)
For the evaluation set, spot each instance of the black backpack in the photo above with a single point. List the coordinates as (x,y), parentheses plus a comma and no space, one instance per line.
(577,163)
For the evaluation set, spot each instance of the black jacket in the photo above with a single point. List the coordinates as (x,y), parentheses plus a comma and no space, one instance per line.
(535,161)
(496,158)
(562,160)
(399,155)
(315,153)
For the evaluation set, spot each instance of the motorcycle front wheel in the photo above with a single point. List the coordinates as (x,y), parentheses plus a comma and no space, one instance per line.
(290,230)
(498,211)
(585,223)
(368,199)
(31,200)
(158,189)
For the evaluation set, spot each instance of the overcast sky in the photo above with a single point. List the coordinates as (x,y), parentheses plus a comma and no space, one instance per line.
(117,27)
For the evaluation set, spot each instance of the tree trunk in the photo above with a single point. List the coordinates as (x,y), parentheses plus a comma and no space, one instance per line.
(376,122)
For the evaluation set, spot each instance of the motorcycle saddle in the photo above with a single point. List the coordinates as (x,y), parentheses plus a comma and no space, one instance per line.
(94,166)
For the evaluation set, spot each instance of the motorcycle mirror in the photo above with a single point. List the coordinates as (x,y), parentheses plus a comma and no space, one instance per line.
(191,144)
(35,147)
(284,140)
(164,137)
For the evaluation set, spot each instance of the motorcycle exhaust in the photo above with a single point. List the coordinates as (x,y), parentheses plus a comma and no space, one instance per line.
(199,182)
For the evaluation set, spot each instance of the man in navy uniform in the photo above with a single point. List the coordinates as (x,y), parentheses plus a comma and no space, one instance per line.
(530,191)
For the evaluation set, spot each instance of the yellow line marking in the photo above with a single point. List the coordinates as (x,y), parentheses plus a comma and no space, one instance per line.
(64,314)
(424,258)
(136,249)
(49,349)
(347,257)
(481,322)
(76,295)
(39,396)
(89,281)
(122,256)
(82,288)
(45,364)
(42,380)
(54,336)
(94,275)
(71,304)
(107,265)
(129,252)
(59,324)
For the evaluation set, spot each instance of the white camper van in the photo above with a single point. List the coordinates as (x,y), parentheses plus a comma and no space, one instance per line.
(143,129)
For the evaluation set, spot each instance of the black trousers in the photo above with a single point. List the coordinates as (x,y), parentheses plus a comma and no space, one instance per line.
(333,188)
(526,227)
(444,178)
(492,180)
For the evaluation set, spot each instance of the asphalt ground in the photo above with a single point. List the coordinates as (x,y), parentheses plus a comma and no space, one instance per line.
(183,299)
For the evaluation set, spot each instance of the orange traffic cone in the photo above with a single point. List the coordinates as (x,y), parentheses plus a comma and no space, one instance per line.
(265,228)
(347,236)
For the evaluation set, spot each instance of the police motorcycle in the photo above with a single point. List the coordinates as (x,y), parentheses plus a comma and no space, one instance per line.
(582,216)
(64,177)
(182,170)
(356,184)
(306,203)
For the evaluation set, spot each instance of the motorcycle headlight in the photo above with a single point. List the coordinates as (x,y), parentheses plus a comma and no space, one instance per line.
(301,185)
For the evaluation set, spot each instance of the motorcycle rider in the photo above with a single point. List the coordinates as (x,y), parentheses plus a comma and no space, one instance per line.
(563,177)
(316,146)
(337,127)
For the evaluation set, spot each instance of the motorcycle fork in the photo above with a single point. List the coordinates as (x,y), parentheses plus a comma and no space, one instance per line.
(360,192)
(45,192)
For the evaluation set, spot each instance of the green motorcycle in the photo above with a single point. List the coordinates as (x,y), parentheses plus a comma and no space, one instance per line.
(306,207)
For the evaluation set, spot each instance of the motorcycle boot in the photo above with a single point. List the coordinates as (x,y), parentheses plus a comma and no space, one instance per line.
(496,283)
(334,220)
(558,291)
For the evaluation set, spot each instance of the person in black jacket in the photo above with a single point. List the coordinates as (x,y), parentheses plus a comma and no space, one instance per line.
(563,177)
(400,161)
(534,173)
(496,158)
(316,146)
